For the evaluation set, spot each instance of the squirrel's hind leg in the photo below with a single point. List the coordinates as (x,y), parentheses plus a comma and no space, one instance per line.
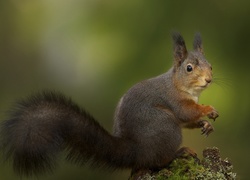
(185,152)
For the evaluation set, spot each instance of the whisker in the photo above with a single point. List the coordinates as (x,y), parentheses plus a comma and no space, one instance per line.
(224,82)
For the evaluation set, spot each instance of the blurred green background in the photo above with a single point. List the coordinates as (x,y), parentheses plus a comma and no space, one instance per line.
(94,50)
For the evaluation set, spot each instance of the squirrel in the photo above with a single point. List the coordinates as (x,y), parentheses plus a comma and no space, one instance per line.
(148,121)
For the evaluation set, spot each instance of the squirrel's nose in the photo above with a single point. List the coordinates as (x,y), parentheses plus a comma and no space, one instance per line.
(208,80)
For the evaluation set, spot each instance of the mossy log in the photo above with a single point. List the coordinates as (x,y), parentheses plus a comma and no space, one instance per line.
(210,167)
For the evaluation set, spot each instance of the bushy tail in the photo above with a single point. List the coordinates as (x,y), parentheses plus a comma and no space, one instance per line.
(46,123)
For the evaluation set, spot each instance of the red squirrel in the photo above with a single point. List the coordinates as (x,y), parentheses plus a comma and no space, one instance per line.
(147,122)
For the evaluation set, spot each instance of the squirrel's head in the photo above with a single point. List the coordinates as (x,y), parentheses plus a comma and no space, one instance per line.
(192,72)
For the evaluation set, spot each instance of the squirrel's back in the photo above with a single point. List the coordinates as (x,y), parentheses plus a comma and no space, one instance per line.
(139,117)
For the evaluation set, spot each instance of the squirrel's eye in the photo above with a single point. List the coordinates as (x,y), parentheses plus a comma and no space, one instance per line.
(189,68)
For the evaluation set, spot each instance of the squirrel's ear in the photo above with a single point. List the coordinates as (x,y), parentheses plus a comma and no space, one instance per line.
(198,43)
(180,51)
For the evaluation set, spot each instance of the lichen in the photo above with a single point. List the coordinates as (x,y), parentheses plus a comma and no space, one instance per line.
(210,167)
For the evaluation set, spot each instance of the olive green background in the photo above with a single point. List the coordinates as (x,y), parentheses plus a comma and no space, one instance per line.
(94,50)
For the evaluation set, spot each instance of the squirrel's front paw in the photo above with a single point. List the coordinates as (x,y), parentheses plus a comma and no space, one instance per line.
(212,113)
(206,127)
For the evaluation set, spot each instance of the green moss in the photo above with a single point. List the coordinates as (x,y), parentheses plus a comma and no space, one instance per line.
(211,167)
(185,168)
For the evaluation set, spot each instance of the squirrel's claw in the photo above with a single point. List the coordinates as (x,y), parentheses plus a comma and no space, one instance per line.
(206,128)
(213,114)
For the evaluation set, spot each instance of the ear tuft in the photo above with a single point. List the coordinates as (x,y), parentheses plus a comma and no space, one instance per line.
(198,43)
(180,51)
